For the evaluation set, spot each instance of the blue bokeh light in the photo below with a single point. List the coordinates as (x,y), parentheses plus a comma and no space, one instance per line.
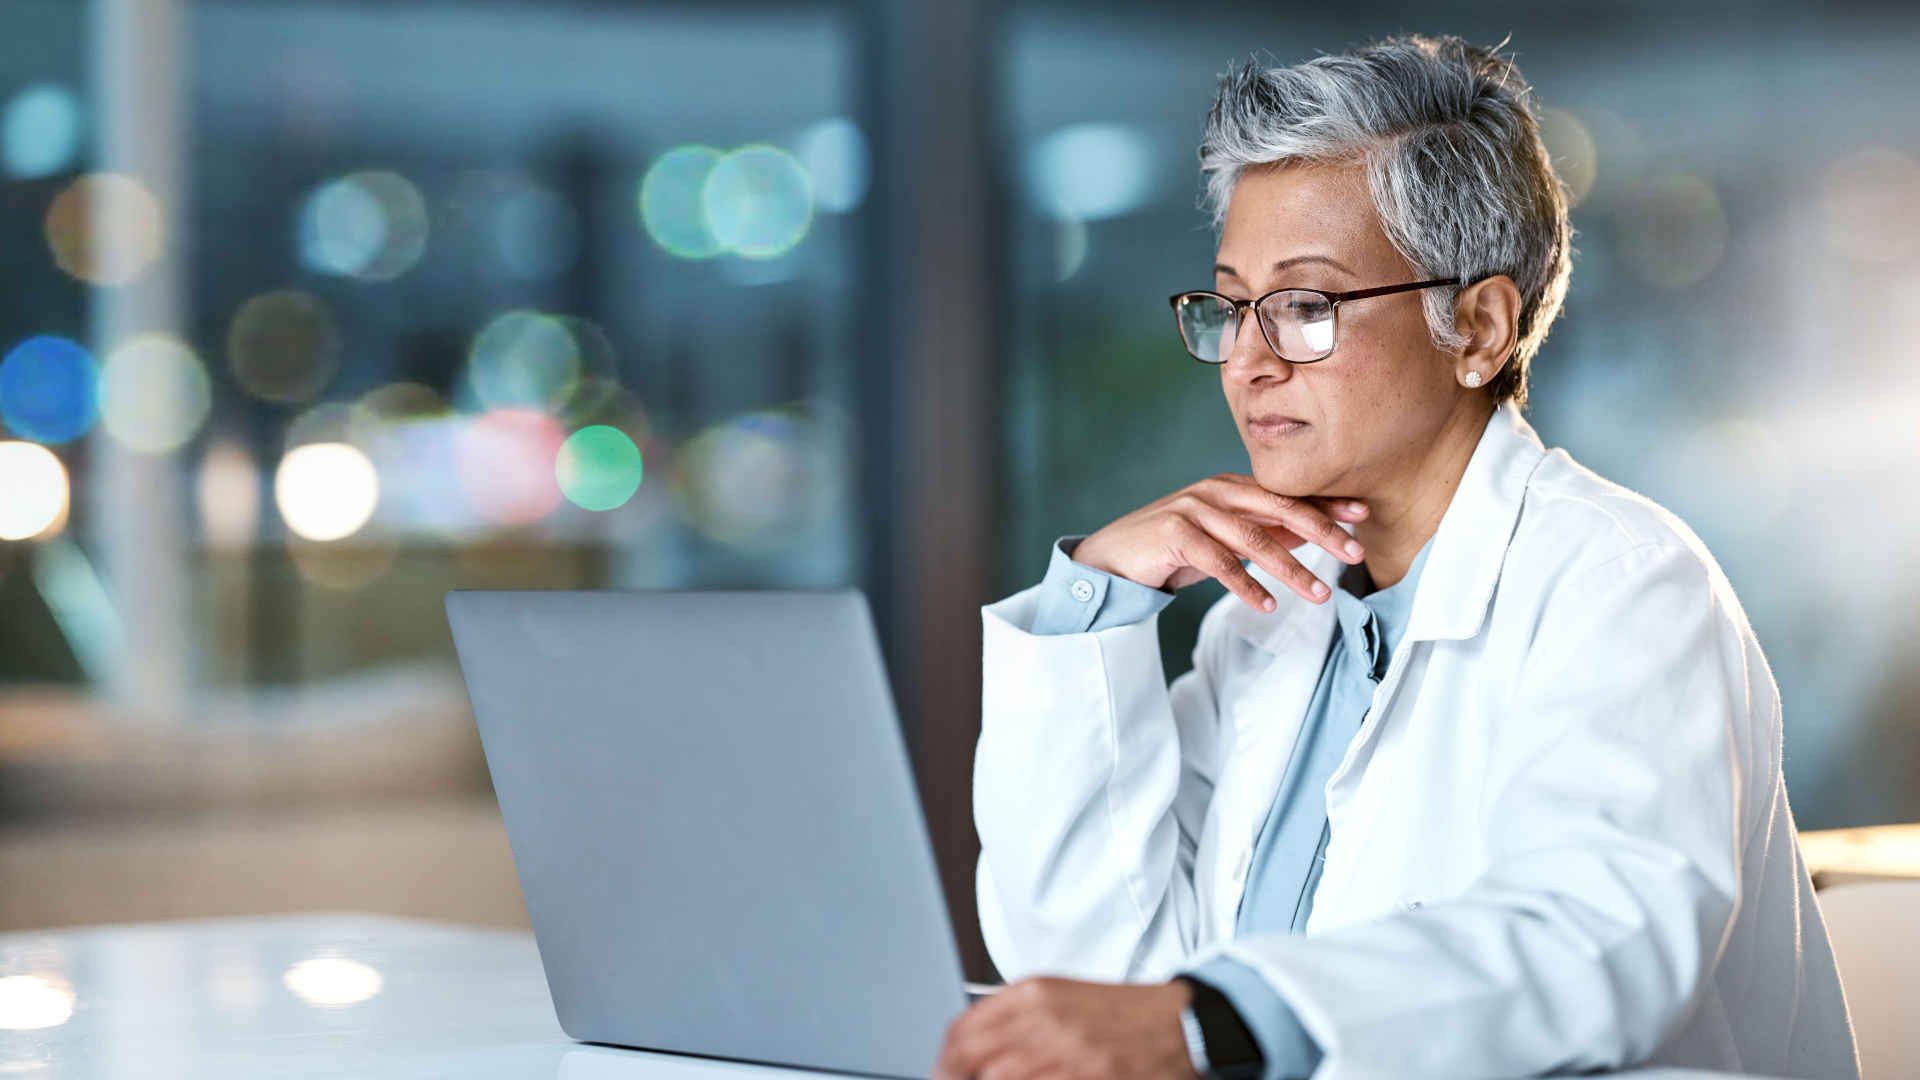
(40,131)
(49,389)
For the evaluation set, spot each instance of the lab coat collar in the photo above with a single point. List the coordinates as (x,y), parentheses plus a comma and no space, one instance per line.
(1463,565)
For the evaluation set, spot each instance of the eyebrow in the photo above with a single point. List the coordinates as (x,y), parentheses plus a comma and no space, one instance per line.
(1223,268)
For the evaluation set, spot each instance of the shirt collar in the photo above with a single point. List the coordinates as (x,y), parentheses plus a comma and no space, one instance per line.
(1387,608)
(1462,559)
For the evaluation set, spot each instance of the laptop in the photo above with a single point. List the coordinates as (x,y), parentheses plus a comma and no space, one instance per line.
(715,824)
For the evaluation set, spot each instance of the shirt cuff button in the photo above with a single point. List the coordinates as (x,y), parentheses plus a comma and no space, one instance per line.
(1082,590)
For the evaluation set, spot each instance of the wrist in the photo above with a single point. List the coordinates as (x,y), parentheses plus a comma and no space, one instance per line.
(1222,1046)
(1091,554)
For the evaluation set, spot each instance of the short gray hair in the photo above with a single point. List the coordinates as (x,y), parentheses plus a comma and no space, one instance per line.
(1461,181)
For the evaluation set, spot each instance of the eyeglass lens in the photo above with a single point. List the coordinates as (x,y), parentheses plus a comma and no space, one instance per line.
(1298,324)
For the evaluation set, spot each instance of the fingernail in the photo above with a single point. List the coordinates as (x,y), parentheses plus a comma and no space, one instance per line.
(1267,604)
(1357,506)
(1354,549)
(1320,588)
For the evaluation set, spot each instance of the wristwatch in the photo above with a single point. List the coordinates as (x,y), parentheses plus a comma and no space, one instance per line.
(1218,1041)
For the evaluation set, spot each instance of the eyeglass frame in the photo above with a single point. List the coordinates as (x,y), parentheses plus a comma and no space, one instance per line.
(1334,300)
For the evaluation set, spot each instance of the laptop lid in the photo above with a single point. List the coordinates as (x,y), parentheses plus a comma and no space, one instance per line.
(715,824)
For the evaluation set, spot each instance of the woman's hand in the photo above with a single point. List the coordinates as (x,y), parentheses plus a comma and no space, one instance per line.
(1047,1027)
(1204,529)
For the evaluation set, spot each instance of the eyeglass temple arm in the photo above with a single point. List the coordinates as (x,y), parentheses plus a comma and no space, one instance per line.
(1382,290)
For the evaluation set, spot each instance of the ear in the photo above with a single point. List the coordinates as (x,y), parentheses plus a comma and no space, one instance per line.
(1488,313)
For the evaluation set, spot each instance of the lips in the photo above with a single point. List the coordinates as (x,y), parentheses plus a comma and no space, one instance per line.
(1274,426)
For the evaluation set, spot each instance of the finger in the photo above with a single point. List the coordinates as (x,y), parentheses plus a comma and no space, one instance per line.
(1010,1067)
(972,1039)
(1344,509)
(1339,506)
(1308,518)
(1200,549)
(1251,540)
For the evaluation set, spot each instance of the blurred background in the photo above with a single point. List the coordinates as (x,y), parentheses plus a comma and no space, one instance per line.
(312,310)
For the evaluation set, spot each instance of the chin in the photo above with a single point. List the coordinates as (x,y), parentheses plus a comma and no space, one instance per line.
(1292,477)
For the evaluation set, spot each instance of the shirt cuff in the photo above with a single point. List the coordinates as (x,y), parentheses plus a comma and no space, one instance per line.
(1076,598)
(1289,1051)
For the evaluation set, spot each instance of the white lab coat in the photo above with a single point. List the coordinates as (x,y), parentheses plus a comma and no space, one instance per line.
(1561,841)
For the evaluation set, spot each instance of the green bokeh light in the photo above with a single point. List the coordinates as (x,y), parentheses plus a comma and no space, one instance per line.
(598,468)
(670,208)
(758,201)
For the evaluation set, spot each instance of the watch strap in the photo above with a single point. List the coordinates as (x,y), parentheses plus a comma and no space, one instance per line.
(1228,1047)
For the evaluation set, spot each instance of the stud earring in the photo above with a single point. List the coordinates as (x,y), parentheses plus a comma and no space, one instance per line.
(1473,378)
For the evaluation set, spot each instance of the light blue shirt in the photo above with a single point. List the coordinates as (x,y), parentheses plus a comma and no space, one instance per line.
(1291,848)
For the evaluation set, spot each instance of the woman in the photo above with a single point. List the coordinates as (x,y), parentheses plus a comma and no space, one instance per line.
(1477,771)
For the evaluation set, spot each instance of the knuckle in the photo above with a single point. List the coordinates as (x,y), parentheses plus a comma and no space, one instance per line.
(1228,563)
(1284,504)
(1254,537)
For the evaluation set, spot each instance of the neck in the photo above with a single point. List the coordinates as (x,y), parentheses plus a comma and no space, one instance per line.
(1405,510)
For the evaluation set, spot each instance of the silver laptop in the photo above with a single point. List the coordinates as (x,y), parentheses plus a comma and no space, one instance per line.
(715,823)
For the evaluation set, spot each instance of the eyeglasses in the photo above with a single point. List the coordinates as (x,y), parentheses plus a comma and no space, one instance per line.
(1300,325)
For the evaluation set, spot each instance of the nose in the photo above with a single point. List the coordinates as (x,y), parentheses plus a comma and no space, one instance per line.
(1251,360)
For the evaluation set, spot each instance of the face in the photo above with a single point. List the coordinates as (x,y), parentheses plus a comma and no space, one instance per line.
(1370,407)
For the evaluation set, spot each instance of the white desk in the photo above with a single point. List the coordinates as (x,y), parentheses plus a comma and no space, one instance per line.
(304,996)
(298,996)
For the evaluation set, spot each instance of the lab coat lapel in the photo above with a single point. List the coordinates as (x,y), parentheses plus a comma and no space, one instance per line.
(1450,603)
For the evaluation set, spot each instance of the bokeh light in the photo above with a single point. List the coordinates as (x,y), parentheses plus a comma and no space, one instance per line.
(228,490)
(1091,171)
(506,464)
(283,346)
(34,1002)
(834,153)
(40,133)
(332,981)
(1576,158)
(516,226)
(326,491)
(1673,231)
(523,359)
(758,201)
(418,459)
(746,481)
(598,468)
(35,484)
(154,394)
(49,389)
(670,202)
(369,225)
(384,407)
(1620,154)
(1870,205)
(105,228)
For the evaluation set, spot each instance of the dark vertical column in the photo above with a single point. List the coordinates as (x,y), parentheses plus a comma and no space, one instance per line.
(931,467)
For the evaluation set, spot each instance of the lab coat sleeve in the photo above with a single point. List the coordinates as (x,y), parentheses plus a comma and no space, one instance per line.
(1615,817)
(1091,780)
